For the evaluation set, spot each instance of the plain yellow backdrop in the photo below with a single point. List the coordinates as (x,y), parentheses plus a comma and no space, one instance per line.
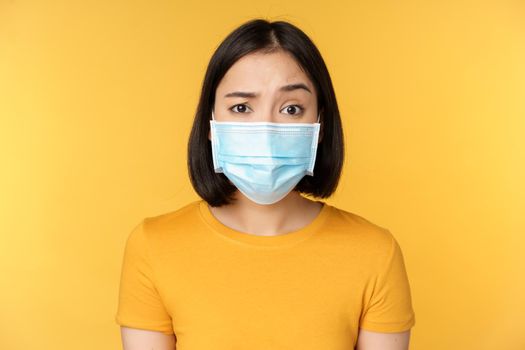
(97,100)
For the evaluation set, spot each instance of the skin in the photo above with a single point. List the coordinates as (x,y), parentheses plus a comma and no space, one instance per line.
(142,339)
(264,75)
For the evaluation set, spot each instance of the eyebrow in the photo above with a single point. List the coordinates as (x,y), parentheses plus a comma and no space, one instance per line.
(289,87)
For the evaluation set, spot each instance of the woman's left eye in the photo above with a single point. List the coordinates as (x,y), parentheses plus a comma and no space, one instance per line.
(292,107)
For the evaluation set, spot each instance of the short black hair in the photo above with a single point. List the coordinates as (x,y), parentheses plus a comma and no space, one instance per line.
(261,35)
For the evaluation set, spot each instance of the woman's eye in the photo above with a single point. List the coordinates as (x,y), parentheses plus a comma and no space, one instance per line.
(242,110)
(294,109)
(291,109)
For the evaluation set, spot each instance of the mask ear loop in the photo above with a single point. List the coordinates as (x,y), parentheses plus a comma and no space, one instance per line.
(318,117)
(212,115)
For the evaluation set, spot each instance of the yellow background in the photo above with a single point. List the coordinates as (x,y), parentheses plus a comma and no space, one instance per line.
(96,103)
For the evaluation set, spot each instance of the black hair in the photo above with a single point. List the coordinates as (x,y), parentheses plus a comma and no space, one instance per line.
(260,35)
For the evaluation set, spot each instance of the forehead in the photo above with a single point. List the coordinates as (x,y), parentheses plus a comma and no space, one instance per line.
(259,71)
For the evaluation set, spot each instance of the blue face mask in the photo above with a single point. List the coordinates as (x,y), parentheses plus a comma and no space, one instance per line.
(264,160)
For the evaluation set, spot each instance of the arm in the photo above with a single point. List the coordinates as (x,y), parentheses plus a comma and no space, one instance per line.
(368,340)
(143,318)
(140,339)
(388,315)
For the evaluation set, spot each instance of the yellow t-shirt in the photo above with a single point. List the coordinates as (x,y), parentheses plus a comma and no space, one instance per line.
(185,272)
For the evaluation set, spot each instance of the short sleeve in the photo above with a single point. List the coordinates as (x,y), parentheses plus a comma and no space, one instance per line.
(390,306)
(139,303)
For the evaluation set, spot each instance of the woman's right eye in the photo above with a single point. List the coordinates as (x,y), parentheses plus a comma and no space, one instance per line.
(243,109)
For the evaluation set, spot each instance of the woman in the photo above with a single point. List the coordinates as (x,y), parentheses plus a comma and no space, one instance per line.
(254,264)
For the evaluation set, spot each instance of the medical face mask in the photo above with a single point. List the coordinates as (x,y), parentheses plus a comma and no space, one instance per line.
(264,160)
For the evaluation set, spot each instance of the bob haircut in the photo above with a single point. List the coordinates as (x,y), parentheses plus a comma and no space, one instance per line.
(260,35)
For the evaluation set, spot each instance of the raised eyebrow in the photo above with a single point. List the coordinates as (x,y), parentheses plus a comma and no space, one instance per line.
(289,87)
(241,94)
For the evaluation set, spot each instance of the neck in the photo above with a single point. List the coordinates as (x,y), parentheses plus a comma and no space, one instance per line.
(289,214)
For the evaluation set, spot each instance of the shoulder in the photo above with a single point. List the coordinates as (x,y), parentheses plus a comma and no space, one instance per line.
(362,232)
(359,225)
(171,229)
(172,219)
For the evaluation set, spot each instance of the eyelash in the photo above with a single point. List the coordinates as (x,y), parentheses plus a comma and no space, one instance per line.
(293,115)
